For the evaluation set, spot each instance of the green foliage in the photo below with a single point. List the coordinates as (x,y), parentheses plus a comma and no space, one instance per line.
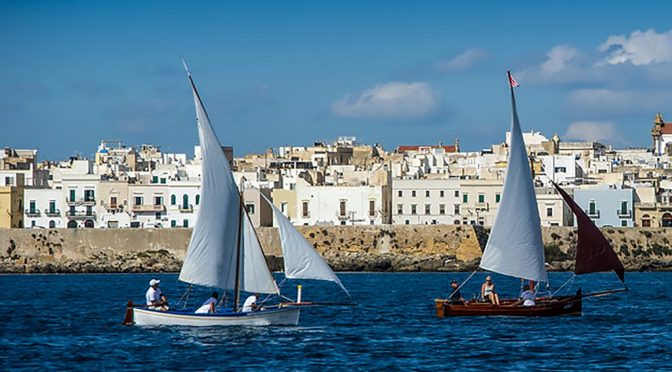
(553,253)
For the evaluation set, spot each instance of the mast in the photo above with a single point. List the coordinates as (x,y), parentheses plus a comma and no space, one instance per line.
(236,296)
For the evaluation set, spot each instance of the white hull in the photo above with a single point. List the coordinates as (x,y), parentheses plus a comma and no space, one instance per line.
(284,316)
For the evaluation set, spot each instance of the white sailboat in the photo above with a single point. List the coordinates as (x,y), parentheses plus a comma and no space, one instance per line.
(225,253)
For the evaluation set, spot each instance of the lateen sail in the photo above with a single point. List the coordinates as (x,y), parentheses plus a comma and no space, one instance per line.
(593,251)
(211,256)
(301,260)
(515,247)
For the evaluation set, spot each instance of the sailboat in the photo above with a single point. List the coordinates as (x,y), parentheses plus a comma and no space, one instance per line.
(225,253)
(515,246)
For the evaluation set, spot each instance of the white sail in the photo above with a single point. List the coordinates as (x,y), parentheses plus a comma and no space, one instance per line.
(211,256)
(301,260)
(255,276)
(515,247)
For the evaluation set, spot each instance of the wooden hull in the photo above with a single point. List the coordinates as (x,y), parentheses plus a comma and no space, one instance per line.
(278,316)
(563,305)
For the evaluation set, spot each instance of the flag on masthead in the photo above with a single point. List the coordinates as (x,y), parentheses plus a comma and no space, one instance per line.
(512,82)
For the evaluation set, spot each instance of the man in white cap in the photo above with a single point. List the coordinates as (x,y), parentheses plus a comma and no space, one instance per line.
(155,298)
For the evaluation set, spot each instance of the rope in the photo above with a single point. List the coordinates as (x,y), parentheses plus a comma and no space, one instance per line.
(571,279)
(464,282)
(185,294)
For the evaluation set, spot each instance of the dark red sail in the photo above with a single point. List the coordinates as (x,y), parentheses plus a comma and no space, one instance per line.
(593,251)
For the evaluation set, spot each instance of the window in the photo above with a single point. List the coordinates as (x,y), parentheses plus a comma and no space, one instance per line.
(456,209)
(31,207)
(549,212)
(137,200)
(457,193)
(32,223)
(441,193)
(52,206)
(498,197)
(185,201)
(591,208)
(414,209)
(400,209)
(173,200)
(427,193)
(157,215)
(158,200)
(89,210)
(304,211)
(163,180)
(155,179)
(185,223)
(428,209)
(560,169)
(52,224)
(407,222)
(72,195)
(173,223)
(481,198)
(624,223)
(624,207)
(72,210)
(442,209)
(372,208)
(400,193)
(89,195)
(113,202)
(198,199)
(249,208)
(413,193)
(283,207)
(465,198)
(341,208)
(134,224)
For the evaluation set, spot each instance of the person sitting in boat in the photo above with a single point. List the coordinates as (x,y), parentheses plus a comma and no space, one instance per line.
(527,297)
(154,296)
(250,303)
(488,291)
(209,304)
(455,296)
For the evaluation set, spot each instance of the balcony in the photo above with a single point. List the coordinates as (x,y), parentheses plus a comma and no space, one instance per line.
(485,206)
(186,208)
(88,201)
(148,208)
(593,214)
(79,215)
(624,213)
(33,213)
(53,212)
(113,208)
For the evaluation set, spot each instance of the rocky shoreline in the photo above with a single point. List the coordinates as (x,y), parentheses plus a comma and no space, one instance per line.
(353,248)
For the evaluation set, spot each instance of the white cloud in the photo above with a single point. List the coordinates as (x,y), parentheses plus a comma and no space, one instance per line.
(592,131)
(463,61)
(559,58)
(393,100)
(641,48)
(602,98)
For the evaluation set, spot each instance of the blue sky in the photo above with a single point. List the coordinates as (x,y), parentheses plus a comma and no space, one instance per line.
(273,73)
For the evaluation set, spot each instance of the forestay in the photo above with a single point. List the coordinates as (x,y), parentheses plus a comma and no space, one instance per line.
(301,260)
(515,247)
(211,256)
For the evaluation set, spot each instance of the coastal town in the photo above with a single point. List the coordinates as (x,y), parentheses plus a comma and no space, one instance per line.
(343,182)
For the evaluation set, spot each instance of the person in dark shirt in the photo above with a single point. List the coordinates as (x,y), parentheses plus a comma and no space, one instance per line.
(455,296)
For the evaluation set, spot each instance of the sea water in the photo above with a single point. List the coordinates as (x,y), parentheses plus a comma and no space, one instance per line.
(74,322)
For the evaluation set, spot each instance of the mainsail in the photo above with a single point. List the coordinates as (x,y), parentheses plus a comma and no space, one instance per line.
(593,251)
(301,260)
(515,247)
(212,252)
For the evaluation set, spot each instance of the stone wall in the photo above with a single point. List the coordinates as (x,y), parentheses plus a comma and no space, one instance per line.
(346,248)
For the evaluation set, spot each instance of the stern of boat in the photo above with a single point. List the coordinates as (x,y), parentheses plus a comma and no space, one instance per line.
(440,306)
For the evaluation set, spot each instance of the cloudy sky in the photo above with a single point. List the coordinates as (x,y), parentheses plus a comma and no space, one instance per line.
(273,73)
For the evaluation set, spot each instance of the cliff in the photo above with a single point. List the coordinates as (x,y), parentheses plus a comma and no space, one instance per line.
(346,248)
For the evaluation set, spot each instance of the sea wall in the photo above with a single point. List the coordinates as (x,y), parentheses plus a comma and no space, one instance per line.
(346,248)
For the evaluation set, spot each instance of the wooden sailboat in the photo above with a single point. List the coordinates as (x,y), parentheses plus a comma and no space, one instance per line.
(515,248)
(224,251)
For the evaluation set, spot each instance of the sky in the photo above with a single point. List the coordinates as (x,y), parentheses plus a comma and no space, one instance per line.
(275,73)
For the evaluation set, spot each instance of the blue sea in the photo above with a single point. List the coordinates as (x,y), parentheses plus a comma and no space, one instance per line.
(73,322)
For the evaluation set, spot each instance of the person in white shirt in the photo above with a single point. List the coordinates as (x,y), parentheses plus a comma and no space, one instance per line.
(209,304)
(155,298)
(250,303)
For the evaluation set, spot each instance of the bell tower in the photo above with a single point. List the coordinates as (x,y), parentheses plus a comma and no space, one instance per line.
(656,132)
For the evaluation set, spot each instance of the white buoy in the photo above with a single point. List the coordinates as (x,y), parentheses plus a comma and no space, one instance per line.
(298,293)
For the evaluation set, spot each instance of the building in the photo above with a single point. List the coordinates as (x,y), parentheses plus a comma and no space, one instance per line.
(11,206)
(45,208)
(423,201)
(607,205)
(661,134)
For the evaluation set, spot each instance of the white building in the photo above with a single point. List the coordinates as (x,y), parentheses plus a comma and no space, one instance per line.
(44,208)
(424,201)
